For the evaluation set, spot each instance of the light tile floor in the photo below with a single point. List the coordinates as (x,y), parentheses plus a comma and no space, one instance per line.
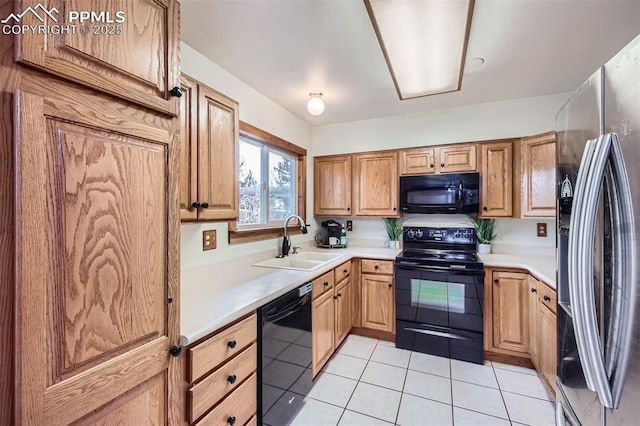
(370,382)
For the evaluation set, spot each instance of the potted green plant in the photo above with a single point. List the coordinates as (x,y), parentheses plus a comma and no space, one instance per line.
(485,232)
(393,226)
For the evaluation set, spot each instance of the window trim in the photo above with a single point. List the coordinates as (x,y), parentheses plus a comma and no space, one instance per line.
(269,231)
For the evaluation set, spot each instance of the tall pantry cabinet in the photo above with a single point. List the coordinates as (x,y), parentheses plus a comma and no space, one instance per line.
(95,224)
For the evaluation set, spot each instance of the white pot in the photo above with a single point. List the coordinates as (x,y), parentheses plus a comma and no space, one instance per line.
(394,245)
(484,248)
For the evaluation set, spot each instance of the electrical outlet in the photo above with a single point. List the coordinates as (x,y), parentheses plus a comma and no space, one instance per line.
(209,240)
(349,225)
(542,229)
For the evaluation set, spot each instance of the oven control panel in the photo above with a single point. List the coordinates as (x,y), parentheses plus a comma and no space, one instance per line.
(445,235)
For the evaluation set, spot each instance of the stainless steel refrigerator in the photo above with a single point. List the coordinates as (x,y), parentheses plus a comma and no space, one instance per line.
(598,158)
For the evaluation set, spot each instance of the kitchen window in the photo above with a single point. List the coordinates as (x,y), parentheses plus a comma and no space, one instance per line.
(271,185)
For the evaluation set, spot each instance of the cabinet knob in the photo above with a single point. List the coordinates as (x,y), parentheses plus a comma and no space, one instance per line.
(231,420)
(547,298)
(169,299)
(175,351)
(533,290)
(335,297)
(195,205)
(394,209)
(232,344)
(432,165)
(176,92)
(339,294)
(390,285)
(376,267)
(496,281)
(485,208)
(344,271)
(205,205)
(232,379)
(441,164)
(348,209)
(326,283)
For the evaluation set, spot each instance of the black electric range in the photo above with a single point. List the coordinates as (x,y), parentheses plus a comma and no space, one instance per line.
(440,293)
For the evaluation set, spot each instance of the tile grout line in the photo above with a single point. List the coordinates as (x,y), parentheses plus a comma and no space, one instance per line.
(357,383)
(451,387)
(501,394)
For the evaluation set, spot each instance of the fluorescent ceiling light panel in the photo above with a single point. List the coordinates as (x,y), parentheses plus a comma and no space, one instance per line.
(424,42)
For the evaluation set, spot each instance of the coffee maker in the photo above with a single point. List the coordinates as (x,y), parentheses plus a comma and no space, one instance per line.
(330,234)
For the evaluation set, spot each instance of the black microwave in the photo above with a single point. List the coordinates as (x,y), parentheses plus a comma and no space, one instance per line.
(445,193)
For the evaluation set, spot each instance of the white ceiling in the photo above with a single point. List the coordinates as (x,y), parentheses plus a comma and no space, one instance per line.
(288,48)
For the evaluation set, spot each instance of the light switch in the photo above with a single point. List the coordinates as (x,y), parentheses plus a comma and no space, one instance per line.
(209,240)
(542,229)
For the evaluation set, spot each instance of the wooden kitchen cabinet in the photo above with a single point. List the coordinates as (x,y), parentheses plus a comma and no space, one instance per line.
(417,161)
(97,232)
(533,320)
(138,61)
(332,185)
(331,315)
(538,185)
(378,302)
(454,158)
(496,176)
(510,311)
(323,330)
(375,184)
(548,346)
(209,167)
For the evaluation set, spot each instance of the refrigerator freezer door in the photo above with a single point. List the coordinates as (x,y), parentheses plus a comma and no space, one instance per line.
(622,116)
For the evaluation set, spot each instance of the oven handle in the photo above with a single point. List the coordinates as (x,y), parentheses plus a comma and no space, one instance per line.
(410,266)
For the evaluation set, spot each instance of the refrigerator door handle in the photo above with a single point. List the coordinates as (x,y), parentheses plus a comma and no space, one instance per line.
(561,420)
(624,272)
(590,347)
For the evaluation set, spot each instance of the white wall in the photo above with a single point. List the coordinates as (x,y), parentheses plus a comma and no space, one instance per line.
(506,119)
(259,111)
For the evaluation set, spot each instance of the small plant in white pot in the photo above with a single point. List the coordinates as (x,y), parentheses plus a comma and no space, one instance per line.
(393,226)
(485,232)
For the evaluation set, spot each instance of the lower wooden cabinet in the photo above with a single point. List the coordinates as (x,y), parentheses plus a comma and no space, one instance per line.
(510,311)
(331,314)
(548,345)
(533,320)
(378,295)
(222,376)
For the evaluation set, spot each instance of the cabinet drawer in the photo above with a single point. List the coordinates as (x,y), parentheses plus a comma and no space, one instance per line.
(342,271)
(377,266)
(208,392)
(237,408)
(322,284)
(547,297)
(209,354)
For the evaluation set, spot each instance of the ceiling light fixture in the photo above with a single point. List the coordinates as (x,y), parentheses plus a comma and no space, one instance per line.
(424,43)
(315,106)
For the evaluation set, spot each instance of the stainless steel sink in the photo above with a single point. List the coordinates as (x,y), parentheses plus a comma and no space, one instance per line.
(305,261)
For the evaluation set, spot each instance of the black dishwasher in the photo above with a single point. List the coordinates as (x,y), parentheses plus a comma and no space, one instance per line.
(284,356)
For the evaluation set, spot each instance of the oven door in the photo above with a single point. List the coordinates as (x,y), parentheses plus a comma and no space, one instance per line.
(445,298)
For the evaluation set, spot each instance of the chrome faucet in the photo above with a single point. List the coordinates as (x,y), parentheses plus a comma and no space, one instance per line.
(286,241)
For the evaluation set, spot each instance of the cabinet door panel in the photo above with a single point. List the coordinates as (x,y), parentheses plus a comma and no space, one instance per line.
(323,319)
(497,180)
(97,212)
(539,176)
(457,158)
(138,65)
(548,345)
(417,161)
(510,311)
(377,302)
(343,311)
(188,148)
(332,186)
(218,134)
(375,184)
(534,341)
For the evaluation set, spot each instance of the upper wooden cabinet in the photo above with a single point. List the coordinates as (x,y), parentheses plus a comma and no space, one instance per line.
(538,198)
(418,161)
(375,184)
(209,158)
(97,228)
(332,185)
(453,158)
(496,175)
(135,59)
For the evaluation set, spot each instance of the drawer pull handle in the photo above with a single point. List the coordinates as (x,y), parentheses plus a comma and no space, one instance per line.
(485,208)
(231,420)
(232,379)
(496,281)
(326,283)
(176,92)
(175,351)
(533,290)
(390,285)
(335,297)
(432,165)
(441,164)
(232,344)
(376,267)
(547,298)
(344,271)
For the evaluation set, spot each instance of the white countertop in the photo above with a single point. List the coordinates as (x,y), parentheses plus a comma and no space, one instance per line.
(214,295)
(217,294)
(542,267)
